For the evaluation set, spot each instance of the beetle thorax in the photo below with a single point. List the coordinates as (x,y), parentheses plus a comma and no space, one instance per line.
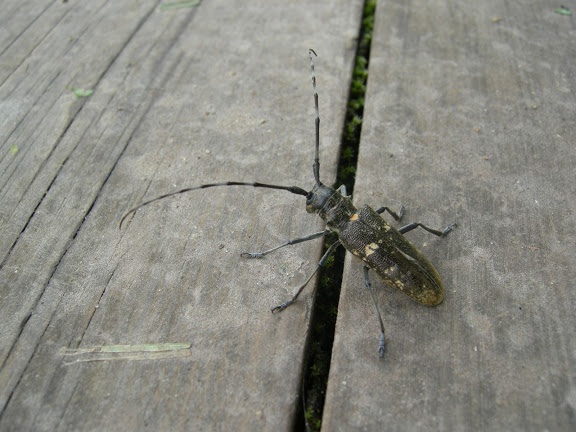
(330,205)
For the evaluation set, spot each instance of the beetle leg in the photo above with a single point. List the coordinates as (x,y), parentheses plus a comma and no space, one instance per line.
(396,216)
(381,345)
(413,225)
(288,243)
(438,233)
(342,190)
(322,263)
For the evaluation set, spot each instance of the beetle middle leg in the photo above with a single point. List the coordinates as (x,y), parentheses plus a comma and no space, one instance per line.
(368,285)
(288,243)
(414,225)
(396,216)
(321,264)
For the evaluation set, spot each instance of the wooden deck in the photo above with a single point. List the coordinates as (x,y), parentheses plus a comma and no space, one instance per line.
(470,118)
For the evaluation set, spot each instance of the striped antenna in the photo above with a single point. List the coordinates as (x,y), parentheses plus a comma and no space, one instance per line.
(292,189)
(316,166)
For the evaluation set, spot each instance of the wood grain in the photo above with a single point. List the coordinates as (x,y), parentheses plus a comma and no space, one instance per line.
(216,92)
(470,118)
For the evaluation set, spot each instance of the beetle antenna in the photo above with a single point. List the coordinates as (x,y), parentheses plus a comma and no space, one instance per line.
(292,189)
(316,166)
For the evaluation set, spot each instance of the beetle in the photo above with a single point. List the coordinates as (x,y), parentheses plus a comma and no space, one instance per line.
(362,231)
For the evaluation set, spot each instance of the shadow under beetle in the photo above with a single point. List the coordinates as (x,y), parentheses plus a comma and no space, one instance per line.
(361,231)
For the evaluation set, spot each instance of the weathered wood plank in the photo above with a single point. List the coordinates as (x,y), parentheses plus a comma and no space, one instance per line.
(181,97)
(470,118)
(41,138)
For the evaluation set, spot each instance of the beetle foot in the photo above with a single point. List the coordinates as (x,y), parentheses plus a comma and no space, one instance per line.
(252,255)
(381,346)
(281,307)
(448,229)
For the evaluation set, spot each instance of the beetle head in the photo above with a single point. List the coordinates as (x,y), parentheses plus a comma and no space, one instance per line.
(318,197)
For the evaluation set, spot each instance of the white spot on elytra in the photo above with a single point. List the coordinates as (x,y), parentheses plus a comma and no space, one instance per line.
(370,249)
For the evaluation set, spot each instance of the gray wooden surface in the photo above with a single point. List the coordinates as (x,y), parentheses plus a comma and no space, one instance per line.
(216,92)
(470,118)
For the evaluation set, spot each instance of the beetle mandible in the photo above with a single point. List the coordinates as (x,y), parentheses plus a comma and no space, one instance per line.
(362,231)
